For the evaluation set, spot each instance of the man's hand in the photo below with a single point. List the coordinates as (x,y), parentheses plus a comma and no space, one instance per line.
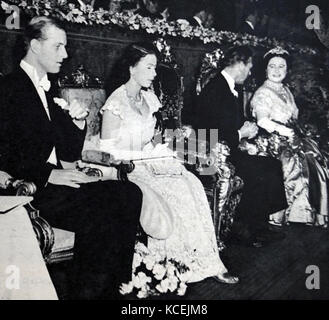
(70,177)
(249,130)
(4,178)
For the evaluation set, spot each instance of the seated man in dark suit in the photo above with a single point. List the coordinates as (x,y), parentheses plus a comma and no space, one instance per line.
(36,136)
(218,108)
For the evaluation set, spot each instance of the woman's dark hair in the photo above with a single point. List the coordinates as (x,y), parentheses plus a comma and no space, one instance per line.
(235,55)
(120,73)
(36,29)
(284,56)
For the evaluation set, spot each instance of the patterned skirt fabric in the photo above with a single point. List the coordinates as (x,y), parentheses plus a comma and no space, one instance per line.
(189,236)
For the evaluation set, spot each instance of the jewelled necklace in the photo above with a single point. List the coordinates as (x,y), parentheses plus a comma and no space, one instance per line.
(136,104)
(279,89)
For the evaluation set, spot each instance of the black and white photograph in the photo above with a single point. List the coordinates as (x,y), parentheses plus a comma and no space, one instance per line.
(160,155)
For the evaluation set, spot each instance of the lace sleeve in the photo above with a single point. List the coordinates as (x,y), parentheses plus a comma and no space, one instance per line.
(114,106)
(261,104)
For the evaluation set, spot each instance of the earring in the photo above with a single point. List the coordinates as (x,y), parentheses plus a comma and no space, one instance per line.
(131,71)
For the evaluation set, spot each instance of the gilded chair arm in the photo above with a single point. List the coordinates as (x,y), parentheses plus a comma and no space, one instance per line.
(228,193)
(42,229)
(24,188)
(20,187)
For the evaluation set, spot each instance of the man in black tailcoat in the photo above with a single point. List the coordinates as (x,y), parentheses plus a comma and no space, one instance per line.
(36,136)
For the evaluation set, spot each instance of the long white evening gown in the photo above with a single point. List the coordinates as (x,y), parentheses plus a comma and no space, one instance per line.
(172,196)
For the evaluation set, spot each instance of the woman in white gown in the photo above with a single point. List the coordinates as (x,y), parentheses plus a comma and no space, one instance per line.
(304,167)
(175,212)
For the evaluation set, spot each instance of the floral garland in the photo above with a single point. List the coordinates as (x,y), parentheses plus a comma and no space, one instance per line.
(85,14)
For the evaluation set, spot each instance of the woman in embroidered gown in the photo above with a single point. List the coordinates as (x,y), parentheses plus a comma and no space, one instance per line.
(175,212)
(305,171)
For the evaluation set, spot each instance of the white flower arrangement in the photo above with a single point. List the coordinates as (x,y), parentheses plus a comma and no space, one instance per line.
(153,276)
(85,14)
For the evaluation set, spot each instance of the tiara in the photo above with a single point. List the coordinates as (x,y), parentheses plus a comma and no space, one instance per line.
(139,48)
(276,50)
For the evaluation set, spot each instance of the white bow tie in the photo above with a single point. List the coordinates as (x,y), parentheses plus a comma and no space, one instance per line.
(44,84)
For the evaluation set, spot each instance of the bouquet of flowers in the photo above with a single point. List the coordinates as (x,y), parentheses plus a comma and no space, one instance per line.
(153,276)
